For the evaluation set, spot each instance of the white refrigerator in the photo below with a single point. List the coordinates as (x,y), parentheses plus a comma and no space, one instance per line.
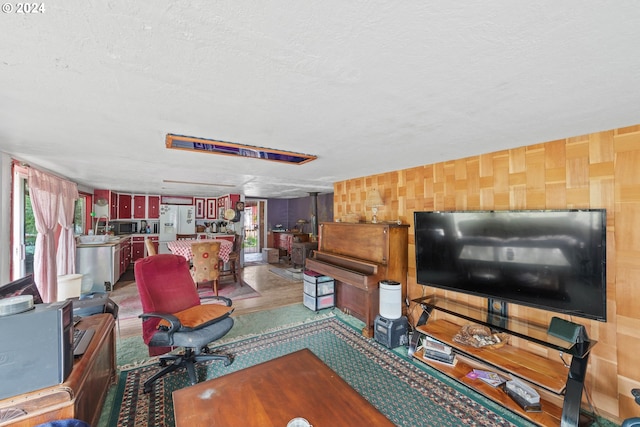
(175,219)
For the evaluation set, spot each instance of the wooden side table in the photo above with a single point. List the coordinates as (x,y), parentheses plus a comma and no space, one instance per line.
(82,395)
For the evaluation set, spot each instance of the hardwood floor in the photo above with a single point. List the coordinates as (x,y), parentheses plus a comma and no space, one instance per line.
(274,292)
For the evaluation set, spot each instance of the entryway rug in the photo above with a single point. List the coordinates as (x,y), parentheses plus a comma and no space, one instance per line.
(407,392)
(129,304)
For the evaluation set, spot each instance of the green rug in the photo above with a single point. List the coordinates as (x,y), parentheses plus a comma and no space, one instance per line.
(408,392)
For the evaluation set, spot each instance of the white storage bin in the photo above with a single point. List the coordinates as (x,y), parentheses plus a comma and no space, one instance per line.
(318,303)
(69,286)
(318,289)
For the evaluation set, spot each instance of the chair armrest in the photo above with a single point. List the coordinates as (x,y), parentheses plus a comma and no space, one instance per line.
(173,320)
(226,300)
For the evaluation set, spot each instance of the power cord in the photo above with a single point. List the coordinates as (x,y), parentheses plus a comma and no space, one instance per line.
(592,408)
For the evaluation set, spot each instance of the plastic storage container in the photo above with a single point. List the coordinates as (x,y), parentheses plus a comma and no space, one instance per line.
(69,286)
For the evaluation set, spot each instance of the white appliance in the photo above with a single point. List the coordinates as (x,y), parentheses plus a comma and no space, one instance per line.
(175,219)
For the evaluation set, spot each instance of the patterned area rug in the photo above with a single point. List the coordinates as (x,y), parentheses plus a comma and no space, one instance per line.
(129,304)
(407,392)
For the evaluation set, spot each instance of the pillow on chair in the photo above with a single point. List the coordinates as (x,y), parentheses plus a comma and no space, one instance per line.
(198,316)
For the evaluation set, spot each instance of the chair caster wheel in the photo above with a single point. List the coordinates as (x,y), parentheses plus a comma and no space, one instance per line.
(228,362)
(163,363)
(147,389)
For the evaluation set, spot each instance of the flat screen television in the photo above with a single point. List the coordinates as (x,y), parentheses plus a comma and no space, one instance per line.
(548,259)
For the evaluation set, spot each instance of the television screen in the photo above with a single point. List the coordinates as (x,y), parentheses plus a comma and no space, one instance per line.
(553,260)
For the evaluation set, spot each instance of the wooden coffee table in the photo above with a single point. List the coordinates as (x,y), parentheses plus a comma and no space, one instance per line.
(272,393)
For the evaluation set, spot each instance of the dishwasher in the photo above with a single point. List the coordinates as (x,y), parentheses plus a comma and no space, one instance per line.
(100,263)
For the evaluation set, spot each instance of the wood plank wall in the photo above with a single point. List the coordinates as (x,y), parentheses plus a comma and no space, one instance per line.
(599,170)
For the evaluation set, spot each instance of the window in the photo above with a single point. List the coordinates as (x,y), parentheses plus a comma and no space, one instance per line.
(81,214)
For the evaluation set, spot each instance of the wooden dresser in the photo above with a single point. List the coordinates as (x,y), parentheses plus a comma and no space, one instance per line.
(358,256)
(82,395)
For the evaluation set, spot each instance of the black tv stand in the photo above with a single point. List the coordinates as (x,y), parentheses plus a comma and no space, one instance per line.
(560,387)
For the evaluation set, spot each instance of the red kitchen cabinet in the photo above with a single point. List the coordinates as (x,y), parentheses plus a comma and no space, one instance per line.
(153,206)
(125,255)
(199,205)
(233,199)
(137,248)
(212,209)
(140,207)
(113,205)
(111,199)
(124,206)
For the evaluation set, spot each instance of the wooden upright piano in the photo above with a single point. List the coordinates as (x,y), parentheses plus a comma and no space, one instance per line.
(358,256)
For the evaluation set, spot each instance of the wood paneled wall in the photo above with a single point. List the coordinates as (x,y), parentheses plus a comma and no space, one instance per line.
(599,170)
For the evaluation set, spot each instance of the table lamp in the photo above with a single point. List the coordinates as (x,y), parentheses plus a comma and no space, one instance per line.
(372,201)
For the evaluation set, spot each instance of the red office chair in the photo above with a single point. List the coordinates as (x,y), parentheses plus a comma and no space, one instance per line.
(173,315)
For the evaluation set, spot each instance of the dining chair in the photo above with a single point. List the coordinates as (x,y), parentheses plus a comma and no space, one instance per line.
(186,236)
(151,249)
(205,264)
(234,261)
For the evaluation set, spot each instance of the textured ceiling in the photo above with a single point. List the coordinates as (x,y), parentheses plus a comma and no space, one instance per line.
(90,88)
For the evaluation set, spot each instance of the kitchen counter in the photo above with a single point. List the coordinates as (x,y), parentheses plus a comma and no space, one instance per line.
(113,241)
(229,236)
(104,262)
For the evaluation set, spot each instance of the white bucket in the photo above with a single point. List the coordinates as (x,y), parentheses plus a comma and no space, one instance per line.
(87,284)
(390,299)
(69,286)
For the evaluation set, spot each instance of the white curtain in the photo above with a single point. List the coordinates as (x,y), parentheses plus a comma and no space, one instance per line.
(46,195)
(66,255)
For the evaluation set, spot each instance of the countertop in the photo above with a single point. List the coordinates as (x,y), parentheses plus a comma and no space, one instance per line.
(113,241)
(116,240)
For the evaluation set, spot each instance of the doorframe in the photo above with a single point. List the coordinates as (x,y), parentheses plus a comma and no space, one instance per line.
(262,220)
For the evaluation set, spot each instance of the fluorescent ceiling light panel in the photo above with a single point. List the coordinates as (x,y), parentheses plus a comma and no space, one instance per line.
(179,142)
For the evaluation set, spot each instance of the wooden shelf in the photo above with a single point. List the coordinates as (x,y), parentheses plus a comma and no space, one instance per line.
(543,372)
(550,378)
(550,415)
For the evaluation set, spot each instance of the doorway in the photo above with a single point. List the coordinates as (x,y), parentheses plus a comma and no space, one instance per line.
(254,229)
(24,226)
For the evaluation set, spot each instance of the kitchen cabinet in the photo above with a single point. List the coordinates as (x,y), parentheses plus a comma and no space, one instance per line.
(199,204)
(124,206)
(137,248)
(139,207)
(227,202)
(125,256)
(104,263)
(211,208)
(110,209)
(100,262)
(113,205)
(153,207)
